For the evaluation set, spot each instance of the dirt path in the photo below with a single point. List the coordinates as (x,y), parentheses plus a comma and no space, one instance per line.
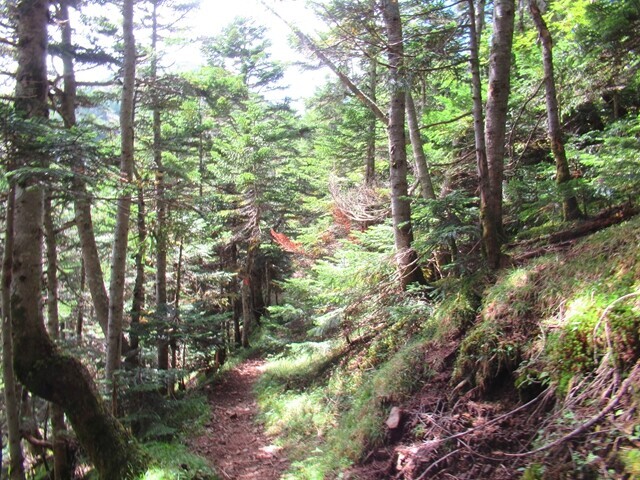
(232,441)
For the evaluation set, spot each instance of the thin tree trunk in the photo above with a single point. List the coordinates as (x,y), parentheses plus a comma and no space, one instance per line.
(16,456)
(82,201)
(370,166)
(80,314)
(161,204)
(495,127)
(121,235)
(38,363)
(138,289)
(61,457)
(489,233)
(247,314)
(176,305)
(570,208)
(422,168)
(406,256)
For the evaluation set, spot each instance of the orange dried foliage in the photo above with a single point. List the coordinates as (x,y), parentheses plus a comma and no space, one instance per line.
(341,219)
(286,243)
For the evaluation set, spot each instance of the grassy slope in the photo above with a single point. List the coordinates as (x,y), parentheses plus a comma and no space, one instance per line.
(545,325)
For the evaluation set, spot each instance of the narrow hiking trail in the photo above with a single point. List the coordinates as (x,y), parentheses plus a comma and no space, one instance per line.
(232,440)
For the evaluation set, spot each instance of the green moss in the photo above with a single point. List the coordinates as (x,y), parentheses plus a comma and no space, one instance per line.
(541,319)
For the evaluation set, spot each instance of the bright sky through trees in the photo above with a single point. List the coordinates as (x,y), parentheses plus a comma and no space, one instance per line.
(213,15)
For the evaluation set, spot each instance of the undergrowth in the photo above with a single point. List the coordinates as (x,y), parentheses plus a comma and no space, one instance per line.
(549,323)
(326,401)
(546,318)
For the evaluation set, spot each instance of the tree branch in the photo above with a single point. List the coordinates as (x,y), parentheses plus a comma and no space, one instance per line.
(346,81)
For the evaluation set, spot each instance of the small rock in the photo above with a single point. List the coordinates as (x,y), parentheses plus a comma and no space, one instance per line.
(395,417)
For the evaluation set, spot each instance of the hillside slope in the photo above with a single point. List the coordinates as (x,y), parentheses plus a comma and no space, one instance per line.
(530,375)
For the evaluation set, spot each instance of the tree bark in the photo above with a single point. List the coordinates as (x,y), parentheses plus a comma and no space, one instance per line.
(121,235)
(39,365)
(82,201)
(406,256)
(176,304)
(495,128)
(370,165)
(489,233)
(16,456)
(93,274)
(422,168)
(570,208)
(161,205)
(62,467)
(247,313)
(80,315)
(137,303)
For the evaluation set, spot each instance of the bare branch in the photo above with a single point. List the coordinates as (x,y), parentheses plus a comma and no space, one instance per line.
(346,81)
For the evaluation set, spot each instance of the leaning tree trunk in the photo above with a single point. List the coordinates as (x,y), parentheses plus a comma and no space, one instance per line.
(82,200)
(372,122)
(495,127)
(422,168)
(92,274)
(62,467)
(39,365)
(490,234)
(121,235)
(406,257)
(570,208)
(16,457)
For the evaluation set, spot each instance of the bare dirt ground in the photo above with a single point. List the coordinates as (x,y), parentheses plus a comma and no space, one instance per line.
(233,441)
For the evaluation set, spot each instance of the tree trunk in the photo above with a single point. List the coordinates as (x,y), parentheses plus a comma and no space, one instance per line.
(121,235)
(247,313)
(495,127)
(137,303)
(61,456)
(161,204)
(80,315)
(16,457)
(370,166)
(93,274)
(176,305)
(406,257)
(82,201)
(489,232)
(422,168)
(570,208)
(39,365)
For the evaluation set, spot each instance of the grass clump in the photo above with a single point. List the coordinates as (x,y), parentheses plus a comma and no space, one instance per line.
(172,461)
(331,423)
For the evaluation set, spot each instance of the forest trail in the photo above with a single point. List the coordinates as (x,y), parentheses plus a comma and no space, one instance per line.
(233,441)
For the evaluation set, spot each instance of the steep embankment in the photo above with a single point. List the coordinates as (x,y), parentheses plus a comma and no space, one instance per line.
(530,375)
(543,384)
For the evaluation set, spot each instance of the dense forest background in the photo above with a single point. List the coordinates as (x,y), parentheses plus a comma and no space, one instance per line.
(437,256)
